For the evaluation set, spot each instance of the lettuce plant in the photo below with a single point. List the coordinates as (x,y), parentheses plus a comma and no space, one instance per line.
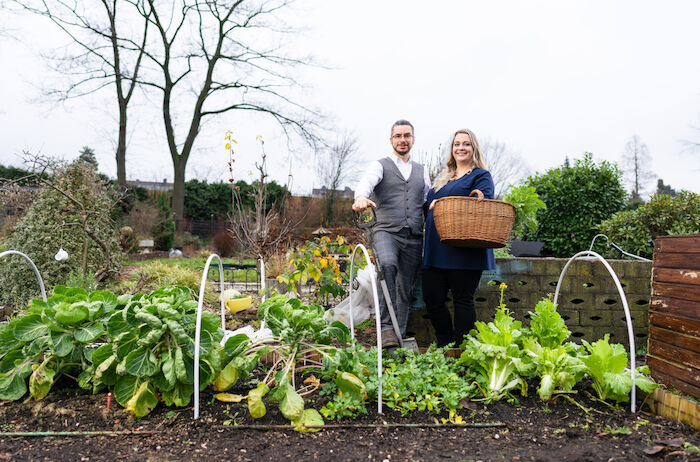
(555,363)
(51,340)
(493,357)
(547,325)
(607,366)
(557,369)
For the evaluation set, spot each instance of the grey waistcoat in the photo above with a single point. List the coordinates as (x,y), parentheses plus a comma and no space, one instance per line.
(399,201)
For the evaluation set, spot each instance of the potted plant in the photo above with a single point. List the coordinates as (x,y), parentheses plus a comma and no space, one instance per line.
(526,202)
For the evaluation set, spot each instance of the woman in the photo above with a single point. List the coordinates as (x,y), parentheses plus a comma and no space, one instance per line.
(448,268)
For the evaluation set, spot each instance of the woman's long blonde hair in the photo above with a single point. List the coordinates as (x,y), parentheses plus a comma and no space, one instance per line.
(450,170)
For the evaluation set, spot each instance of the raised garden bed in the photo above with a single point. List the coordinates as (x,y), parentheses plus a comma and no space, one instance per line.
(530,431)
(74,424)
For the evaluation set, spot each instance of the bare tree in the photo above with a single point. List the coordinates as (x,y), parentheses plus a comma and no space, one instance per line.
(507,167)
(105,52)
(261,230)
(432,160)
(693,146)
(212,57)
(336,166)
(636,162)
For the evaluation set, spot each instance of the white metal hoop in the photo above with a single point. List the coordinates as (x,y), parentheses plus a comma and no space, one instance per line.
(628,317)
(36,270)
(375,295)
(198,327)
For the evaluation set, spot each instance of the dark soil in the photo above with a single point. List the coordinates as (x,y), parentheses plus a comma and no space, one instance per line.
(558,431)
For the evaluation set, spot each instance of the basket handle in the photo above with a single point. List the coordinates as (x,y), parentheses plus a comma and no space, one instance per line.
(479,194)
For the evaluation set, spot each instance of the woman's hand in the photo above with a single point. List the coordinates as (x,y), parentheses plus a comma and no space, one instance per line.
(432,204)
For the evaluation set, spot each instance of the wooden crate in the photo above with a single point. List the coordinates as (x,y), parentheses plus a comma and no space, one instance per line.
(674,314)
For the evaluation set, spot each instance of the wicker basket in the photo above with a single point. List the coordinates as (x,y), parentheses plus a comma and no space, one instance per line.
(473,222)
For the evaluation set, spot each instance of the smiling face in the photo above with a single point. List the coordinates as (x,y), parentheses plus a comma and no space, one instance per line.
(463,150)
(402,139)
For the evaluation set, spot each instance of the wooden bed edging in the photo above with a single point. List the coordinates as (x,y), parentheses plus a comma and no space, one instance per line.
(674,314)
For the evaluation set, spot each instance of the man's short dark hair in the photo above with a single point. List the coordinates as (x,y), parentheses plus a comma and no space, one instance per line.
(403,122)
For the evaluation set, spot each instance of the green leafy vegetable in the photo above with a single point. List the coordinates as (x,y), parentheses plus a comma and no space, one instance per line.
(607,366)
(492,354)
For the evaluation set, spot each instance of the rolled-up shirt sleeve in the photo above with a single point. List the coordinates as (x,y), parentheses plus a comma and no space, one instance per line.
(371,178)
(428,185)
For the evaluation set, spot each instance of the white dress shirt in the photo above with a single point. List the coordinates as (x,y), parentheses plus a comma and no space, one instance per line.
(375,173)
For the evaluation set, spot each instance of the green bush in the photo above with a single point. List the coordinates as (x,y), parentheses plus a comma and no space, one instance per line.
(54,221)
(578,198)
(663,215)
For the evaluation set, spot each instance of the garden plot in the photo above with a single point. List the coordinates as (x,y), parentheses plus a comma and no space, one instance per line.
(494,401)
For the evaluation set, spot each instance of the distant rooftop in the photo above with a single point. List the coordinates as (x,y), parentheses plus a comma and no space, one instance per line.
(151,185)
(342,193)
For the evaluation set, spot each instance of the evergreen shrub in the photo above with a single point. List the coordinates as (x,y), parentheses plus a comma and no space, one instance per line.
(578,198)
(633,230)
(52,222)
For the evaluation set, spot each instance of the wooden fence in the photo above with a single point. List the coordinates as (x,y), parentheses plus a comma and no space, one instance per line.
(674,314)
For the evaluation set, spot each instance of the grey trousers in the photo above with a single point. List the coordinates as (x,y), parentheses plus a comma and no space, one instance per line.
(400,256)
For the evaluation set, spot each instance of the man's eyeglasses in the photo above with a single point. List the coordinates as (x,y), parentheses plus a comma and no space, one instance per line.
(406,136)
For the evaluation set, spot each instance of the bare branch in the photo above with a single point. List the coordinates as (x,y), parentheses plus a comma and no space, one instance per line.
(507,167)
(635,163)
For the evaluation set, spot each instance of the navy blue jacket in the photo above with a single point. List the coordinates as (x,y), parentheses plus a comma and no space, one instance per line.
(439,255)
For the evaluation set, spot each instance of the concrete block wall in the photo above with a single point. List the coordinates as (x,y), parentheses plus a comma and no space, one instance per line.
(588,299)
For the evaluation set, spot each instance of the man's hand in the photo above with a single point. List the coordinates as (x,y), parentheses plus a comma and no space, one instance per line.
(361,203)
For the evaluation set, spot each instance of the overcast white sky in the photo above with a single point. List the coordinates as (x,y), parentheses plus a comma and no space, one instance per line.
(549,78)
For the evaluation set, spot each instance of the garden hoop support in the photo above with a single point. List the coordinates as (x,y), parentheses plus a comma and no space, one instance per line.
(628,317)
(616,247)
(375,296)
(198,327)
(263,287)
(36,270)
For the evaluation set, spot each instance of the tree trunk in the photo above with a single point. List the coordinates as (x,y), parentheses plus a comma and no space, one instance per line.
(330,201)
(178,189)
(121,148)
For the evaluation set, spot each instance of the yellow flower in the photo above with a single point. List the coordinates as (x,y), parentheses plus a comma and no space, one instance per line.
(503,286)
(228,145)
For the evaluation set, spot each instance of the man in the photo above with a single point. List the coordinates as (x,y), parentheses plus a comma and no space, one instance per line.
(400,187)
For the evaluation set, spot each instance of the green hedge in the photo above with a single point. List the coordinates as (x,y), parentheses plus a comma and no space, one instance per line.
(578,198)
(202,199)
(663,215)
